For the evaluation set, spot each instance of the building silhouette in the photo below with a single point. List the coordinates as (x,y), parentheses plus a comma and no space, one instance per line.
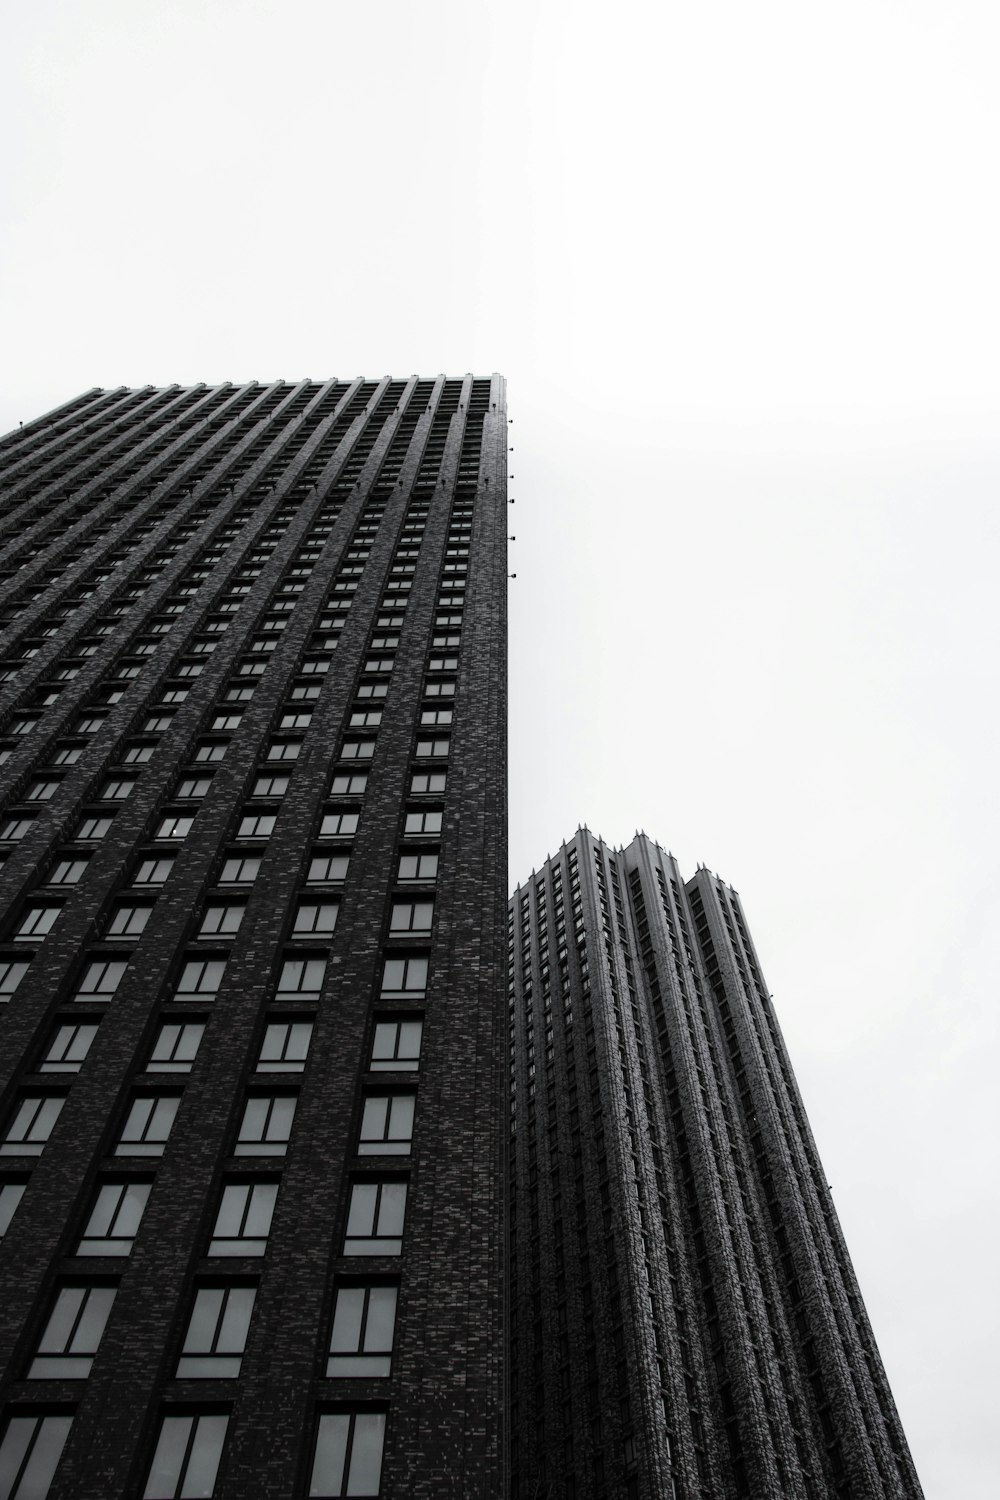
(252,726)
(685,1321)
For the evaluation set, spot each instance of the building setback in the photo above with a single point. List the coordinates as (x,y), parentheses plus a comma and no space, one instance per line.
(253,733)
(685,1321)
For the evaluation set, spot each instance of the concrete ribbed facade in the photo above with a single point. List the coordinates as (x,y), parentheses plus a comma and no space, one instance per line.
(685,1318)
(253,724)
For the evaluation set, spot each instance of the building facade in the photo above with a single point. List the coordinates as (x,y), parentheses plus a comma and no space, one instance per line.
(252,726)
(685,1321)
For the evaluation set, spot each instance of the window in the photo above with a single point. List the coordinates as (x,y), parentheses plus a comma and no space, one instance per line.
(147,1128)
(295,721)
(315,919)
(327,867)
(68,1345)
(285,1047)
(429,716)
(365,718)
(101,978)
(437,747)
(422,782)
(154,871)
(138,755)
(301,979)
(284,750)
(12,971)
(37,921)
(186,1461)
(200,977)
(13,829)
(68,871)
(129,921)
(69,1047)
(211,750)
(221,920)
(29,1130)
(363,1321)
(114,1218)
(217,1333)
(375,1218)
(357,749)
(411,917)
(443,689)
(174,826)
(266,1125)
(244,1219)
(240,869)
(194,786)
(345,785)
(94,828)
(227,721)
(176,1047)
(396,1046)
(11,1194)
(116,791)
(29,1453)
(404,976)
(418,866)
(387,1125)
(270,786)
(423,821)
(42,791)
(256,826)
(338,825)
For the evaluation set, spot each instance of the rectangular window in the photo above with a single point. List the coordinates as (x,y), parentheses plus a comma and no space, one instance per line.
(327,868)
(270,786)
(301,979)
(12,971)
(147,1128)
(154,871)
(187,1457)
(69,1047)
(67,1347)
(29,1454)
(364,1318)
(396,1046)
(285,1047)
(101,978)
(129,921)
(404,977)
(256,826)
(375,1218)
(423,821)
(240,869)
(435,716)
(266,1125)
(357,749)
(418,866)
(221,921)
(387,1125)
(284,750)
(44,791)
(411,917)
(200,979)
(114,1218)
(11,1194)
(174,826)
(33,1121)
(176,1047)
(244,1219)
(424,782)
(194,786)
(37,921)
(339,825)
(14,829)
(437,748)
(315,919)
(217,1333)
(211,750)
(68,871)
(116,791)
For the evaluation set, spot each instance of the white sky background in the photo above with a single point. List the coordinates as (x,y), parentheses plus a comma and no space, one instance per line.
(740,266)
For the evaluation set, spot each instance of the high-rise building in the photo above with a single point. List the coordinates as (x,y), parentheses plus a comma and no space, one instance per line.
(685,1321)
(252,725)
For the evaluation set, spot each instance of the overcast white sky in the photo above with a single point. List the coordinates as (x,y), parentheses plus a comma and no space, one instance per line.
(740,266)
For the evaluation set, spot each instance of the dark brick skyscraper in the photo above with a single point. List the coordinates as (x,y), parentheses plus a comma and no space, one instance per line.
(252,720)
(685,1319)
